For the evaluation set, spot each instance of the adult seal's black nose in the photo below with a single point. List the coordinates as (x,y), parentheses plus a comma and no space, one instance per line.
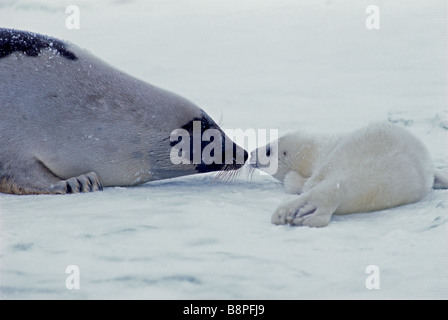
(240,156)
(246,156)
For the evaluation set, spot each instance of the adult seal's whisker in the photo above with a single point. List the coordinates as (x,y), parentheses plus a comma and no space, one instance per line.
(229,172)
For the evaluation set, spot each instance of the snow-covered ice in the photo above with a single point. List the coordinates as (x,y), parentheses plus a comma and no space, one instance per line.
(310,65)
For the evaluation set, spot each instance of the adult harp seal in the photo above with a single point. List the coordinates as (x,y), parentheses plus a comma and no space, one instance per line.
(71,123)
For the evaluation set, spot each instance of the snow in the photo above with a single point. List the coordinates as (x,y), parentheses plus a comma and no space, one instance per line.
(309,65)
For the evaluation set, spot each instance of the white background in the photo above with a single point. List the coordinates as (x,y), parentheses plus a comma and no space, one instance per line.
(286,65)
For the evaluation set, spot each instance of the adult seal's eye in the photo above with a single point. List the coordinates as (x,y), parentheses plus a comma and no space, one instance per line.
(268,152)
(204,125)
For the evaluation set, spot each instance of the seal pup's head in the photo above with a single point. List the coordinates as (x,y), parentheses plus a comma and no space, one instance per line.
(291,152)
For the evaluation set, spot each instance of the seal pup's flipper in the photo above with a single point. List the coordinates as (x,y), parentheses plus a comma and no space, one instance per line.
(308,209)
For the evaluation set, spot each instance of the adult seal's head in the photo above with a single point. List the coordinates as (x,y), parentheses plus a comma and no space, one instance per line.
(71,123)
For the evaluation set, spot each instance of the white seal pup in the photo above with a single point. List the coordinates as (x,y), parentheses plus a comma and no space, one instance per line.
(373,168)
(71,123)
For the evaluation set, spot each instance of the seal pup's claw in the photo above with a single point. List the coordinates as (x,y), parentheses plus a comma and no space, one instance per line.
(279,217)
(287,212)
(302,212)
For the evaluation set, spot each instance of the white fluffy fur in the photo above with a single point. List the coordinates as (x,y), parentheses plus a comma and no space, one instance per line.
(373,168)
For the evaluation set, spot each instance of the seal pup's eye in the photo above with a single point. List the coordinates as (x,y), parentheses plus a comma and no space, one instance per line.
(268,152)
(284,153)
